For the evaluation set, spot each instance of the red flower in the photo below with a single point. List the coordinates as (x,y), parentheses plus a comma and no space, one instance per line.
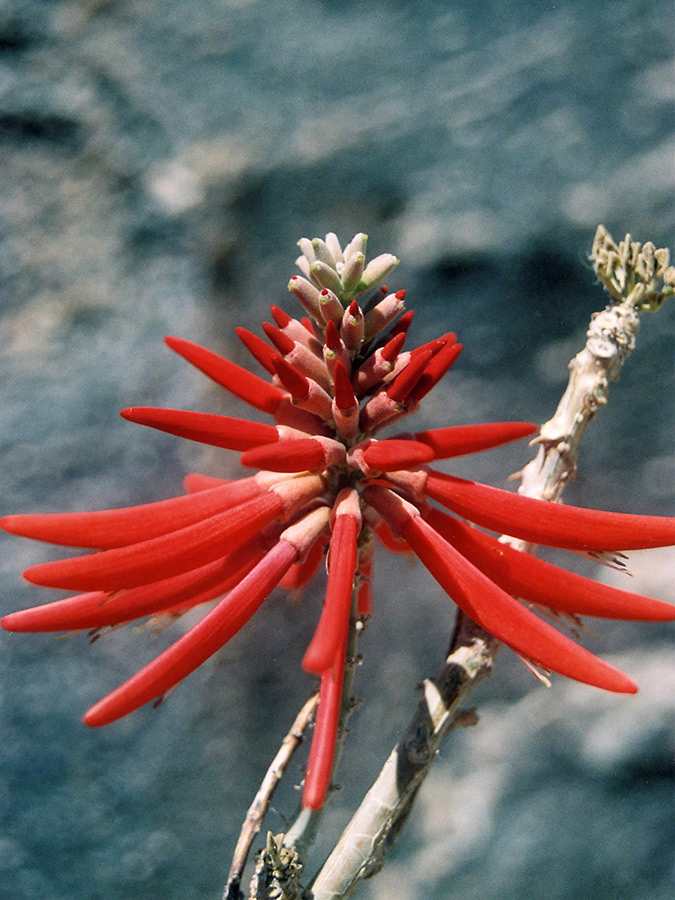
(327,484)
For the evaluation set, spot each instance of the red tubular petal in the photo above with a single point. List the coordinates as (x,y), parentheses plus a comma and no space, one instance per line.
(261,351)
(201,642)
(507,619)
(322,752)
(435,346)
(290,415)
(194,482)
(462,439)
(540,582)
(109,528)
(334,623)
(99,609)
(404,383)
(294,382)
(281,341)
(390,455)
(344,393)
(286,456)
(403,324)
(438,366)
(207,428)
(239,381)
(540,522)
(301,573)
(161,557)
(388,540)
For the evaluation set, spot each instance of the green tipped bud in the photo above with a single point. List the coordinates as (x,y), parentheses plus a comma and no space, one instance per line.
(352,274)
(333,244)
(303,264)
(356,245)
(306,248)
(631,272)
(308,295)
(322,253)
(325,277)
(376,270)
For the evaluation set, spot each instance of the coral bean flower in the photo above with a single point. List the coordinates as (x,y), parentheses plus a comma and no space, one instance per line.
(327,485)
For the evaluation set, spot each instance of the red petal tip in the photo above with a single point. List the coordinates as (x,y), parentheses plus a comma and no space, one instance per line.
(261,351)
(344,393)
(293,380)
(393,347)
(280,316)
(333,341)
(281,341)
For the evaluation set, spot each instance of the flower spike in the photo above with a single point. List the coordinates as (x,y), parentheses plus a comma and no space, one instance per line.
(328,489)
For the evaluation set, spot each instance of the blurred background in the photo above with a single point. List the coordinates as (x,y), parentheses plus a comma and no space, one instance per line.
(159,161)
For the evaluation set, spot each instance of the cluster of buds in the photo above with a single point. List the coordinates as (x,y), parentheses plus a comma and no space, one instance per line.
(637,273)
(326,488)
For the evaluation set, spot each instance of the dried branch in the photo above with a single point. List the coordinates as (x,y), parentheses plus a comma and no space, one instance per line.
(632,274)
(261,801)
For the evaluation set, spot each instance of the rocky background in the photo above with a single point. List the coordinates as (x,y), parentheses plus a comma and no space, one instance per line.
(159,160)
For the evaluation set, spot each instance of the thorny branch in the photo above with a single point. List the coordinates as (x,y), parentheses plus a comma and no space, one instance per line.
(638,278)
(632,275)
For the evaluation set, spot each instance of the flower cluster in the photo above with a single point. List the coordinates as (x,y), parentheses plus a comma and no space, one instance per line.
(326,486)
